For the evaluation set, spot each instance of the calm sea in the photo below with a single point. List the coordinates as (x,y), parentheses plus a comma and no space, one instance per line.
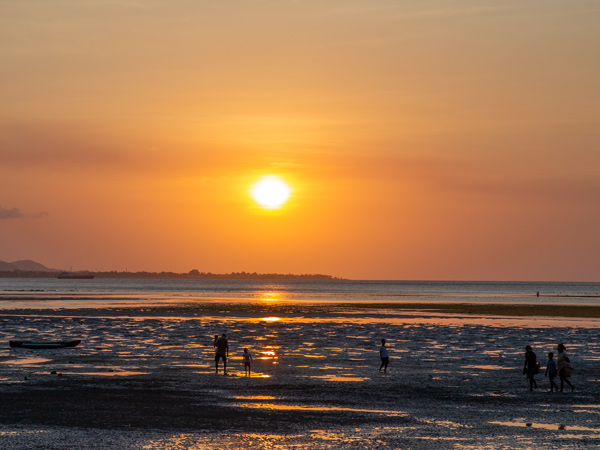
(305,290)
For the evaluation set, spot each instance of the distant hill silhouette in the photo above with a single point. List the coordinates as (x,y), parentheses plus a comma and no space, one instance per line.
(31,269)
(24,265)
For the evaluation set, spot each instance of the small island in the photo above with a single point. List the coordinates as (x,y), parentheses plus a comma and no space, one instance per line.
(197,275)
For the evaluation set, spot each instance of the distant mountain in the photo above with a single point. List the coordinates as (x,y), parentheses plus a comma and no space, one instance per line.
(24,265)
(6,267)
(29,265)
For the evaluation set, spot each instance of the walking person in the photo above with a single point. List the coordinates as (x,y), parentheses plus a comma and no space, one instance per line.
(551,371)
(222,352)
(247,362)
(564,367)
(530,368)
(383,354)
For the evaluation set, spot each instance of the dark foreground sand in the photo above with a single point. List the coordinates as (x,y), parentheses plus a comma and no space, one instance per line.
(144,379)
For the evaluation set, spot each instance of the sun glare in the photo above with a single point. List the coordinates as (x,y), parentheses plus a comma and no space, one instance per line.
(271,192)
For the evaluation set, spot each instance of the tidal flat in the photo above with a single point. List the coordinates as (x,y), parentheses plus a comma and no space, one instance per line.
(144,378)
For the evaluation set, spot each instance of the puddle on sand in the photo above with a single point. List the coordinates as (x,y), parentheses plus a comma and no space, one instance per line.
(240,374)
(549,426)
(587,409)
(488,367)
(267,354)
(254,397)
(339,378)
(26,361)
(109,374)
(280,407)
(195,366)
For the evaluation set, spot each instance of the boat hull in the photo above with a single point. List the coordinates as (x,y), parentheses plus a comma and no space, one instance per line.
(44,344)
(63,276)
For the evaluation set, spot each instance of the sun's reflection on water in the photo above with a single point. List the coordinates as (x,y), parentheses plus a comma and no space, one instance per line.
(270,297)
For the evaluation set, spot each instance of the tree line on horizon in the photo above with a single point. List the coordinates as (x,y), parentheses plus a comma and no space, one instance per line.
(192,274)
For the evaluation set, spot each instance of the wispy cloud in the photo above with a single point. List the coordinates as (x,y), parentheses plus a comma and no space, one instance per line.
(13,213)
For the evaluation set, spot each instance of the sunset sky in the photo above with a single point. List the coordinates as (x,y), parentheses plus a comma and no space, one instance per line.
(421,139)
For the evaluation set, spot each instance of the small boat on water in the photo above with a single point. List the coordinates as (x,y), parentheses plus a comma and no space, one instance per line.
(74,276)
(44,344)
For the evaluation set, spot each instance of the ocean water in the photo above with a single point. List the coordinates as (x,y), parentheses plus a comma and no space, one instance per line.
(338,291)
(451,376)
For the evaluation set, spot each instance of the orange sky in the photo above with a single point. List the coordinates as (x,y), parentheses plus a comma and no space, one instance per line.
(422,139)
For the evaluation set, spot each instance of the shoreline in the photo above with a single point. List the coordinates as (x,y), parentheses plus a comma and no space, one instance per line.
(28,306)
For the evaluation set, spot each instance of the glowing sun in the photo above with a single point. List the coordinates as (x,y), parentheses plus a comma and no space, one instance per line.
(270,192)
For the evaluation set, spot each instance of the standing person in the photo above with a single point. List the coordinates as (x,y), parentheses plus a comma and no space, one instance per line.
(551,371)
(247,361)
(530,367)
(564,367)
(383,354)
(222,353)
(215,340)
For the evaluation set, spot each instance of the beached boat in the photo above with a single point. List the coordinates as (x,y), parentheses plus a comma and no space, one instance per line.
(74,276)
(44,344)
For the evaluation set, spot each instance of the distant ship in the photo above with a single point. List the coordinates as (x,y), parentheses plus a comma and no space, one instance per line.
(74,276)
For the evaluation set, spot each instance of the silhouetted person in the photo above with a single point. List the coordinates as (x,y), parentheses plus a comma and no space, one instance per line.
(222,353)
(530,367)
(564,367)
(247,362)
(551,371)
(383,354)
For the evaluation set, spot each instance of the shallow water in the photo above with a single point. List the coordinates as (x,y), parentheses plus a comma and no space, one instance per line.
(325,348)
(476,359)
(31,292)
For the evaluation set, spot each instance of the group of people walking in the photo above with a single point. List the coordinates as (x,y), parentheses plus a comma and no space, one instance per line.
(560,366)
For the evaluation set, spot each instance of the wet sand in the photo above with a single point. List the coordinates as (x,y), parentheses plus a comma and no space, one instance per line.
(505,309)
(144,377)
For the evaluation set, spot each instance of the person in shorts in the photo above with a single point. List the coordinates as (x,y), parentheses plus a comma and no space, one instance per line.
(222,352)
(551,371)
(247,362)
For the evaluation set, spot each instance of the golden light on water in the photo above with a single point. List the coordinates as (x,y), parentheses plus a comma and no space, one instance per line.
(270,297)
(270,319)
(270,192)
